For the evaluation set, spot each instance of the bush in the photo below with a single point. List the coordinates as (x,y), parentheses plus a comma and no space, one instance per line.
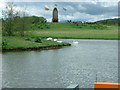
(39,25)
(4,44)
(38,40)
(28,39)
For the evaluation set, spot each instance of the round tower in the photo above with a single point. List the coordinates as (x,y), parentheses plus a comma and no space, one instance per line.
(55,15)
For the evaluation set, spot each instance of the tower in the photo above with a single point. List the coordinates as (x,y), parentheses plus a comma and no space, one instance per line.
(55,15)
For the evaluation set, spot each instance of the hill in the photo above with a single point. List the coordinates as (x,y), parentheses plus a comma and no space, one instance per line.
(109,21)
(38,27)
(73,31)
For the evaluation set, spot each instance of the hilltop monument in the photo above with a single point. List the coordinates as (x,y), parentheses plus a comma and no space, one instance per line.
(55,15)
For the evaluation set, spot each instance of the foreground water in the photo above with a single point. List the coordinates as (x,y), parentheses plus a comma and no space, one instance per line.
(0,71)
(82,64)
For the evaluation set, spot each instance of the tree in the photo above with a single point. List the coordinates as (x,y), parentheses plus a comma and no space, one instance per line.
(8,19)
(22,22)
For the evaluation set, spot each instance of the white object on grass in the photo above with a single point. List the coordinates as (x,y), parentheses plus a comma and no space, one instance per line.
(55,40)
(50,39)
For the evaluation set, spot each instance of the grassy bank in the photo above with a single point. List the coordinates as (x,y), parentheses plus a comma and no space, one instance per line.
(12,43)
(35,37)
(73,31)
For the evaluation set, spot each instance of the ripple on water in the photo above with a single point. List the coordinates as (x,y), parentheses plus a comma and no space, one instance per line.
(76,64)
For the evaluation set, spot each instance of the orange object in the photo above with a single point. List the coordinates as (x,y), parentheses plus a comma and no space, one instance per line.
(106,85)
(46,9)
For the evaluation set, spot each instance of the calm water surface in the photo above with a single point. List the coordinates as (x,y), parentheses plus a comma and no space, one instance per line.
(0,70)
(77,64)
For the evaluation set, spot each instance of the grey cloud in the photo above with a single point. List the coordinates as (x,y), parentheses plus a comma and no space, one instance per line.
(96,9)
(87,10)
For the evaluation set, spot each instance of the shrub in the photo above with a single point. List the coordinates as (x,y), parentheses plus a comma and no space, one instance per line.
(28,39)
(4,44)
(38,40)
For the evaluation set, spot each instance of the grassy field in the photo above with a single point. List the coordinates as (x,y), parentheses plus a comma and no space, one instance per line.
(70,30)
(15,42)
(59,30)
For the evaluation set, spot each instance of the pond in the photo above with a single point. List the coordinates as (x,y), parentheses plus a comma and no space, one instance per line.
(82,63)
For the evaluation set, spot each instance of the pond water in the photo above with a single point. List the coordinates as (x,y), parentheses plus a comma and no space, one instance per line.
(0,70)
(83,64)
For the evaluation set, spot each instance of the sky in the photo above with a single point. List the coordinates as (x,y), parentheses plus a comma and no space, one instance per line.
(90,10)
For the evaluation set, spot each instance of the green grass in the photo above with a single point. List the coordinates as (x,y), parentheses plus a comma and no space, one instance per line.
(82,31)
(60,30)
(14,42)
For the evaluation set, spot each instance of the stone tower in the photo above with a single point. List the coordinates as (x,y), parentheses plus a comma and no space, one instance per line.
(55,15)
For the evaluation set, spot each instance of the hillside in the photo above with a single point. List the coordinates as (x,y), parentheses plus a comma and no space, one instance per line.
(37,27)
(73,31)
(109,21)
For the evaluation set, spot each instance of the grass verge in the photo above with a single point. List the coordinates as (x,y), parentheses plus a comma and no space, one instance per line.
(14,43)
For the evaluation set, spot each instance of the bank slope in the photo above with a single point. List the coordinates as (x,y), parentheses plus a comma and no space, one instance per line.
(14,43)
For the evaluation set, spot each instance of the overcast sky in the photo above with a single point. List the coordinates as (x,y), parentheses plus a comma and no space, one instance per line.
(75,11)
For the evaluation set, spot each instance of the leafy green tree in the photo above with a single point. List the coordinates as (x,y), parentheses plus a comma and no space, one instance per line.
(23,23)
(8,19)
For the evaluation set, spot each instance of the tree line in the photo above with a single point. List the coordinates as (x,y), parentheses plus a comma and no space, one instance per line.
(12,21)
(17,22)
